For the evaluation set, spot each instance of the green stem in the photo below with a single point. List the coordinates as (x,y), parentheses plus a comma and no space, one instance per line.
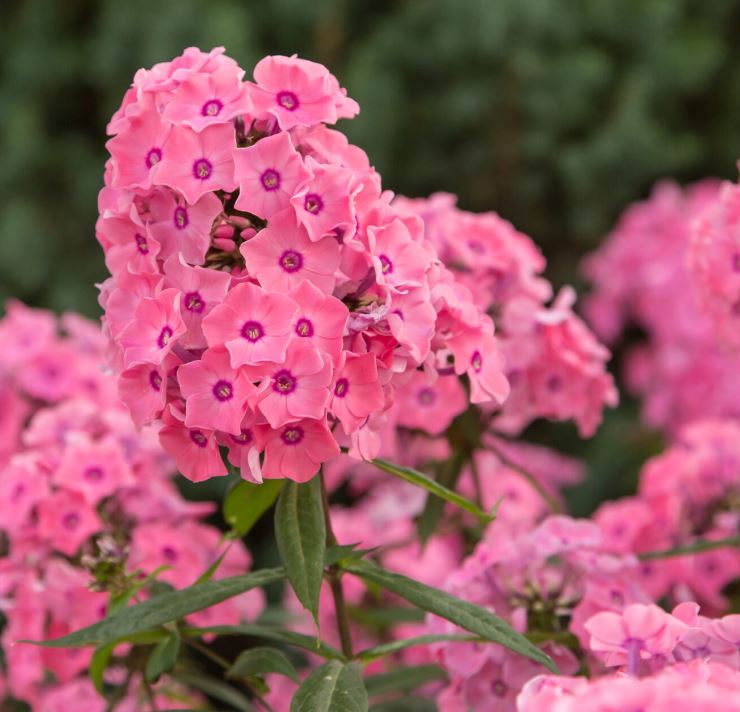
(334,576)
(693,548)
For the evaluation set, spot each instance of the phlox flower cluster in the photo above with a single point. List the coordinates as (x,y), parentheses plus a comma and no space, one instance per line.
(655,271)
(85,496)
(554,364)
(265,295)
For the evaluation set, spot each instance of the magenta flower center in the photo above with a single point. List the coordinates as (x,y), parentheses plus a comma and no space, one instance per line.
(71,521)
(141,244)
(270,179)
(304,327)
(194,302)
(153,156)
(93,474)
(155,381)
(181,217)
(284,382)
(385,264)
(212,108)
(340,390)
(164,336)
(554,383)
(426,396)
(223,390)
(252,331)
(476,361)
(202,169)
(313,203)
(292,435)
(169,553)
(291,261)
(244,438)
(198,438)
(476,246)
(288,100)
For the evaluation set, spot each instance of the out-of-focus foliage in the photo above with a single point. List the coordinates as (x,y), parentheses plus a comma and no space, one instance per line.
(554,113)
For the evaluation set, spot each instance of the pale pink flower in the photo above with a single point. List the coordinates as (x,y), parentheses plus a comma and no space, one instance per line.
(268,174)
(398,261)
(477,355)
(295,91)
(355,391)
(194,450)
(296,388)
(297,450)
(324,203)
(143,389)
(215,393)
(66,520)
(197,163)
(156,326)
(127,242)
(282,255)
(430,406)
(204,99)
(253,324)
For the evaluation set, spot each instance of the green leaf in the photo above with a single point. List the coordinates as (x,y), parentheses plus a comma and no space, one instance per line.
(385,617)
(434,506)
(275,635)
(247,502)
(405,679)
(216,689)
(300,532)
(207,575)
(433,487)
(468,616)
(99,662)
(163,609)
(334,687)
(695,547)
(334,554)
(163,658)
(406,704)
(379,651)
(260,661)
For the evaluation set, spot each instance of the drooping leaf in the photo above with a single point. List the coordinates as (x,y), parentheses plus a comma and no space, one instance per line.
(247,502)
(163,609)
(260,661)
(434,506)
(300,532)
(99,662)
(207,575)
(405,679)
(275,635)
(395,646)
(217,689)
(163,658)
(467,615)
(334,687)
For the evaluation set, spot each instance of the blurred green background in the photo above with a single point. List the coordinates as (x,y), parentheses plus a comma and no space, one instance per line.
(556,113)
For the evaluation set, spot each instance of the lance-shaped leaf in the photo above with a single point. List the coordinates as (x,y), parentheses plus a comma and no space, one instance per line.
(163,609)
(163,658)
(405,679)
(300,532)
(260,661)
(247,502)
(467,615)
(395,646)
(334,687)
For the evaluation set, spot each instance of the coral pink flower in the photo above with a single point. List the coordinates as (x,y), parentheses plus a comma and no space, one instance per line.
(204,99)
(268,174)
(282,255)
(139,148)
(430,406)
(216,394)
(196,163)
(476,354)
(66,520)
(202,289)
(325,204)
(143,389)
(295,91)
(296,388)
(254,325)
(320,318)
(356,392)
(296,450)
(243,451)
(194,450)
(95,469)
(411,321)
(128,243)
(638,629)
(182,228)
(398,261)
(154,329)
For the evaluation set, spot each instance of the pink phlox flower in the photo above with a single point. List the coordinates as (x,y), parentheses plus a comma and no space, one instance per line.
(356,392)
(398,261)
(243,451)
(430,406)
(127,242)
(66,520)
